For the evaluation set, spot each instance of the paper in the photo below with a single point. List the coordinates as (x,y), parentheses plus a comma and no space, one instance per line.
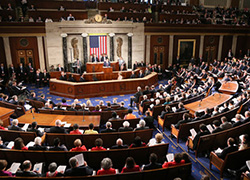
(241,137)
(67,125)
(25,127)
(151,106)
(210,128)
(31,143)
(221,108)
(10,145)
(14,167)
(80,159)
(81,130)
(193,132)
(63,123)
(174,109)
(27,106)
(170,157)
(38,167)
(219,150)
(248,164)
(64,108)
(41,129)
(61,168)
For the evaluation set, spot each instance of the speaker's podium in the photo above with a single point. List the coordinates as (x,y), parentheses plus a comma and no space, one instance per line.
(98,67)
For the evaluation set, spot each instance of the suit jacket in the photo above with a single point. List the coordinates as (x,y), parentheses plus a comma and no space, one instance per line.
(197,137)
(152,166)
(95,59)
(106,64)
(218,129)
(238,123)
(226,125)
(58,148)
(182,122)
(149,121)
(11,71)
(124,129)
(122,108)
(143,101)
(137,96)
(141,128)
(56,129)
(79,171)
(226,151)
(26,174)
(14,128)
(119,147)
(59,69)
(38,133)
(108,130)
(205,116)
(64,78)
(38,148)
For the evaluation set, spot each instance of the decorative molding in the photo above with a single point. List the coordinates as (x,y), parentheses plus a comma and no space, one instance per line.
(84,34)
(64,35)
(130,34)
(111,34)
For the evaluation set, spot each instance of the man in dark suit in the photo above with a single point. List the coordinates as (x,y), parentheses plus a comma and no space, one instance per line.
(238,120)
(185,119)
(26,172)
(57,128)
(135,65)
(225,107)
(106,63)
(57,146)
(196,116)
(95,59)
(34,129)
(180,107)
(231,147)
(108,128)
(217,127)
(141,75)
(125,127)
(247,117)
(45,78)
(38,145)
(119,144)
(146,91)
(122,106)
(21,73)
(30,72)
(203,131)
(63,76)
(59,68)
(225,124)
(12,70)
(3,73)
(152,163)
(104,57)
(206,115)
(142,125)
(77,170)
(145,99)
(14,126)
(136,96)
(133,75)
(38,78)
(149,120)
(109,108)
(16,90)
(167,111)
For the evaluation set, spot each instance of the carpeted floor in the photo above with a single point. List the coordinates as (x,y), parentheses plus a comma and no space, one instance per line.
(200,165)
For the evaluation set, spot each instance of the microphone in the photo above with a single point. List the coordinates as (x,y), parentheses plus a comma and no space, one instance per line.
(83,116)
(200,103)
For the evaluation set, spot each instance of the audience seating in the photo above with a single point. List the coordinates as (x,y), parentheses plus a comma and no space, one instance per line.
(213,141)
(189,17)
(12,135)
(109,139)
(184,130)
(56,4)
(121,15)
(234,160)
(119,123)
(35,104)
(171,118)
(93,158)
(117,6)
(19,110)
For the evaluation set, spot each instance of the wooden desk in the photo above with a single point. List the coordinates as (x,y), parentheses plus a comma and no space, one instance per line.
(100,88)
(98,67)
(209,102)
(5,115)
(49,119)
(230,87)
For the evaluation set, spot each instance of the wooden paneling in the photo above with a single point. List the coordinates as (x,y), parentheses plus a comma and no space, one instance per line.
(2,52)
(241,45)
(22,27)
(227,44)
(32,45)
(159,41)
(197,45)
(210,50)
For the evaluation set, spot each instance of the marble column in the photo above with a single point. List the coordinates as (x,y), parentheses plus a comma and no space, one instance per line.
(147,50)
(85,48)
(201,45)
(234,44)
(129,50)
(171,48)
(111,35)
(6,42)
(220,47)
(41,52)
(65,52)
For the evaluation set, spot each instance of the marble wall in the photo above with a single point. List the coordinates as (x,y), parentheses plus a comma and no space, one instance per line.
(55,32)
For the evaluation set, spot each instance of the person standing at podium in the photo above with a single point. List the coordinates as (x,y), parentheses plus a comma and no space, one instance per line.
(104,57)
(78,64)
(95,59)
(106,63)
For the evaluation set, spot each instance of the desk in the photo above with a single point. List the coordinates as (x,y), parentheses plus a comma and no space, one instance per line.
(208,102)
(49,119)
(229,87)
(100,88)
(5,115)
(98,67)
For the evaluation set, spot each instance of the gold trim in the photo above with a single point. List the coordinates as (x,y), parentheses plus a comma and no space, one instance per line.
(186,40)
(22,35)
(196,34)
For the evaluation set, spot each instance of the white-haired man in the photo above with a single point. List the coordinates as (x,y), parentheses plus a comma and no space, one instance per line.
(125,127)
(119,144)
(108,128)
(38,145)
(57,128)
(141,126)
(14,126)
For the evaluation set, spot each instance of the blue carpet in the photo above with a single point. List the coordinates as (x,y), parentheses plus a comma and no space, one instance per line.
(200,166)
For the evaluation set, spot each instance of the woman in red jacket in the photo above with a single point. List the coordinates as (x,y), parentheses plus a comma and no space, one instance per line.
(177,161)
(78,146)
(106,167)
(130,166)
(19,145)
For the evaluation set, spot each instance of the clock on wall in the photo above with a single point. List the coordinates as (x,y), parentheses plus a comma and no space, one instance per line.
(98,18)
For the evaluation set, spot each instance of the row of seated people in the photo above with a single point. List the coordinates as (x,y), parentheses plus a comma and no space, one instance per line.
(78,169)
(230,16)
(180,21)
(155,2)
(123,10)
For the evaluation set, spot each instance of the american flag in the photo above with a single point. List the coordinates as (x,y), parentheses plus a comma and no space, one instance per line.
(98,45)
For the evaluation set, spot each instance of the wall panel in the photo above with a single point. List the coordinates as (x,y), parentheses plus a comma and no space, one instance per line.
(227,44)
